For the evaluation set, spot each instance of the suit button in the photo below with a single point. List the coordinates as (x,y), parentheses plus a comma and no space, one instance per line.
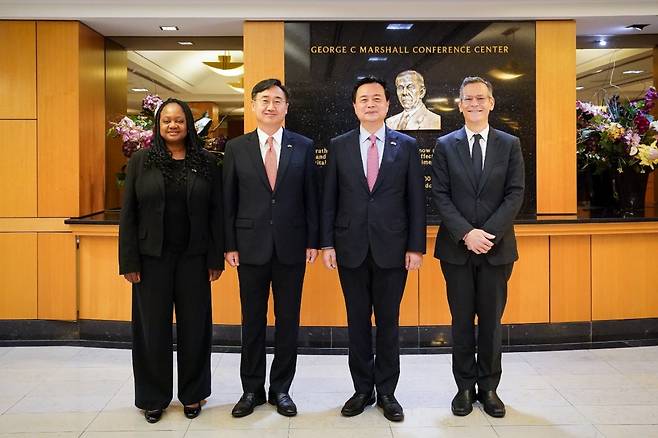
(273,201)
(372,199)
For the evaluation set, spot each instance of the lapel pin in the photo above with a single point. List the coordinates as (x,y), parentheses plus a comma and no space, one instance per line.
(194,170)
(289,146)
(393,143)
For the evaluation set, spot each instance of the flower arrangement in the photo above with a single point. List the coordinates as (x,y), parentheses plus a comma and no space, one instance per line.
(619,136)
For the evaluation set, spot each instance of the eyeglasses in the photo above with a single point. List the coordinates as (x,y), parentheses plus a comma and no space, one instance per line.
(268,102)
(475,99)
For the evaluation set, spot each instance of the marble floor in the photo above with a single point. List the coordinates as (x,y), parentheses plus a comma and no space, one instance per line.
(88,392)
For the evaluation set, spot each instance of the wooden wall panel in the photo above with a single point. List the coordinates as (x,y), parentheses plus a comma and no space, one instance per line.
(322,298)
(18,78)
(556,117)
(528,289)
(433,298)
(92,121)
(18,168)
(624,283)
(18,265)
(263,58)
(57,282)
(571,282)
(59,118)
(226,298)
(104,294)
(116,104)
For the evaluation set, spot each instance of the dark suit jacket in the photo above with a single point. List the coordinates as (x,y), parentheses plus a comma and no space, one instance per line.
(491,206)
(141,230)
(389,221)
(258,220)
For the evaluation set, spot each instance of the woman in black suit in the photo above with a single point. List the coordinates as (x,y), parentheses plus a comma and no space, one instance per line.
(170,249)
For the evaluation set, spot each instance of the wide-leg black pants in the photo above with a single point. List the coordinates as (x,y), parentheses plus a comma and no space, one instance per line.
(366,288)
(476,288)
(180,281)
(287,281)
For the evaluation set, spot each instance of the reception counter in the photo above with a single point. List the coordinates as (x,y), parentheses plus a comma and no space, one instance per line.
(583,280)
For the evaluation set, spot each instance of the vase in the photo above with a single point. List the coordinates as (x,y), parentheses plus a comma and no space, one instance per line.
(630,190)
(599,190)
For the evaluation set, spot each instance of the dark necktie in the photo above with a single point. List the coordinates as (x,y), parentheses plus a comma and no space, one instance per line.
(476,157)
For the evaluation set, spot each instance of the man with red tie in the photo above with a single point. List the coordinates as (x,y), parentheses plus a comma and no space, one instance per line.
(271,231)
(373,230)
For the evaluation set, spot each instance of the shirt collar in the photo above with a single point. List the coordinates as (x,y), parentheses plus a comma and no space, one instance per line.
(365,135)
(484,133)
(262,137)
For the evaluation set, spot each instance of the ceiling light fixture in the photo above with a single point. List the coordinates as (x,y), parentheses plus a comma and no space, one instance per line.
(186,43)
(399,26)
(377,59)
(636,26)
(633,72)
(169,28)
(237,86)
(602,42)
(139,90)
(224,67)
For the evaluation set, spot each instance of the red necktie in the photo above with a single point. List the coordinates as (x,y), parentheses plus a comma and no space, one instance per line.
(270,162)
(372,163)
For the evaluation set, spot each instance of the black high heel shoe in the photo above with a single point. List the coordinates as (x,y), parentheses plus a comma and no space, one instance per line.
(192,411)
(153,415)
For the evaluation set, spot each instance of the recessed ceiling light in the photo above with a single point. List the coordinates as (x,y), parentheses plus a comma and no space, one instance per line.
(169,28)
(139,90)
(579,88)
(378,59)
(633,72)
(186,43)
(637,26)
(399,26)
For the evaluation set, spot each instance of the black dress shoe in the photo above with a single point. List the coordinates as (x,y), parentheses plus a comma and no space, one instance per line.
(492,404)
(392,409)
(153,415)
(247,403)
(284,404)
(462,404)
(192,411)
(357,403)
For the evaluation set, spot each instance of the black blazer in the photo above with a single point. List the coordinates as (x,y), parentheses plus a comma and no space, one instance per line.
(389,221)
(141,225)
(491,206)
(259,221)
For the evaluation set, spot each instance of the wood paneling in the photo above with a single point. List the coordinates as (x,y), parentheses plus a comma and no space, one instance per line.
(571,283)
(226,298)
(322,299)
(91,146)
(104,294)
(18,267)
(528,288)
(18,168)
(433,299)
(59,118)
(18,79)
(263,59)
(556,117)
(624,283)
(116,104)
(56,273)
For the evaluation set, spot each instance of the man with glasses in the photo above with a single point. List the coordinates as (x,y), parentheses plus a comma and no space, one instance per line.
(477,186)
(271,220)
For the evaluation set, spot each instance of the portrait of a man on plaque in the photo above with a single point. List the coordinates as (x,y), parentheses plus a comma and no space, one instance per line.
(410,88)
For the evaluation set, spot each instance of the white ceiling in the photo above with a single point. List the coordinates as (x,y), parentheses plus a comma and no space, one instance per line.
(218,17)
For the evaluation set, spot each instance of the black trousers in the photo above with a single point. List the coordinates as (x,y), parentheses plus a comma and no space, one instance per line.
(365,288)
(476,288)
(287,282)
(180,281)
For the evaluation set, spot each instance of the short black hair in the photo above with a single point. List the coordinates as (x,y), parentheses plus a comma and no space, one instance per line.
(266,84)
(370,80)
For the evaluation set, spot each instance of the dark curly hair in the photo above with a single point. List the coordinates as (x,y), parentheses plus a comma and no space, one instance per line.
(159,155)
